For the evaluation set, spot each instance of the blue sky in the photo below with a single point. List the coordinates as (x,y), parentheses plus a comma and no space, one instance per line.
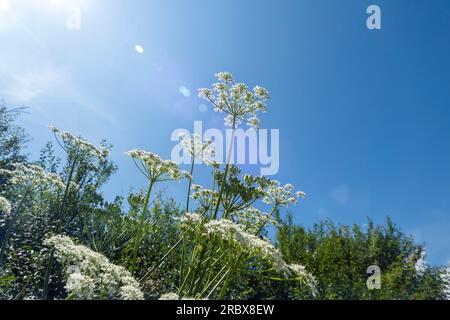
(363,115)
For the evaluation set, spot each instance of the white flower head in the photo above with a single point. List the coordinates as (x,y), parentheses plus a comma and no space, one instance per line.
(191,221)
(169,296)
(155,168)
(247,242)
(33,176)
(236,100)
(5,206)
(198,149)
(205,197)
(279,195)
(68,141)
(96,277)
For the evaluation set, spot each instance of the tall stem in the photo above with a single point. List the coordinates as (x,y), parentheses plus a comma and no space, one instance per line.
(59,223)
(188,197)
(227,166)
(141,223)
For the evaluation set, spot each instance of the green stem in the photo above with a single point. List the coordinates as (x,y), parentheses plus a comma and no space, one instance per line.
(227,166)
(59,219)
(188,197)
(161,260)
(264,223)
(141,223)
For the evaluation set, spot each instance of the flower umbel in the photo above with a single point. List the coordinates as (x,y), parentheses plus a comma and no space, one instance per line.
(5,206)
(279,195)
(69,141)
(33,176)
(236,100)
(198,149)
(155,168)
(96,277)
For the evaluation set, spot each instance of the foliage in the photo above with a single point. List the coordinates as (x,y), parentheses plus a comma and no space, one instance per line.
(339,256)
(12,140)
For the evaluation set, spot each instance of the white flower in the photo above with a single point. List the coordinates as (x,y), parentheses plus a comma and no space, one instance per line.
(236,100)
(155,168)
(446,277)
(281,195)
(196,147)
(249,243)
(33,176)
(301,273)
(5,206)
(96,277)
(130,292)
(253,122)
(253,219)
(191,221)
(224,76)
(421,263)
(169,296)
(205,197)
(80,286)
(68,141)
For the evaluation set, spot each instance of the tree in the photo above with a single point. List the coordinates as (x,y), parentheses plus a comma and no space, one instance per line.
(338,256)
(12,140)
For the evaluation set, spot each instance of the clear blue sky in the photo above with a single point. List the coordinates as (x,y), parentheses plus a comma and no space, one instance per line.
(364,116)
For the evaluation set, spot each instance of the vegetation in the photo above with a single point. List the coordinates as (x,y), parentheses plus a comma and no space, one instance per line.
(60,239)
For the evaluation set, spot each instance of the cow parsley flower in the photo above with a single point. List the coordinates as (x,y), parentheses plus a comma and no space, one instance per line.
(33,176)
(249,243)
(169,296)
(155,168)
(279,195)
(80,286)
(446,278)
(191,221)
(196,147)
(300,272)
(252,218)
(205,197)
(236,100)
(68,141)
(5,206)
(95,276)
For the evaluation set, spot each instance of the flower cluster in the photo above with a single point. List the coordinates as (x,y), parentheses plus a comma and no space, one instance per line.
(446,277)
(5,206)
(198,149)
(249,243)
(155,168)
(253,219)
(33,176)
(235,99)
(279,195)
(191,221)
(69,141)
(301,273)
(95,277)
(205,197)
(169,296)
(174,296)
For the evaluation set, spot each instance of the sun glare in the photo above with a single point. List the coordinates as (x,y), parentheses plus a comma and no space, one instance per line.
(4,5)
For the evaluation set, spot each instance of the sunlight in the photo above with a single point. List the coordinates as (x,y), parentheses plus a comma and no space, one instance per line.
(4,5)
